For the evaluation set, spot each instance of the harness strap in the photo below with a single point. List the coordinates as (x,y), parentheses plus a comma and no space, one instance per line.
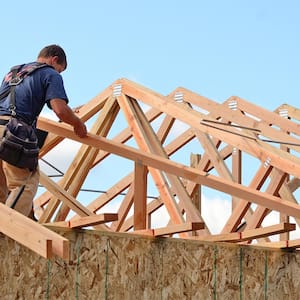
(15,80)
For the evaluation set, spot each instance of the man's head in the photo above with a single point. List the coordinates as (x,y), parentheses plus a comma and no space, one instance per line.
(54,56)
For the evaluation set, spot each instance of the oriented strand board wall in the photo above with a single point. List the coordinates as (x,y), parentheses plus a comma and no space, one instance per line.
(123,266)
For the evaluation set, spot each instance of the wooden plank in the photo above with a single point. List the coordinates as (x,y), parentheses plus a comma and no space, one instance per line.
(268,117)
(245,119)
(161,163)
(85,221)
(142,139)
(178,228)
(214,156)
(236,172)
(93,220)
(280,244)
(80,167)
(32,235)
(140,196)
(250,234)
(260,212)
(243,206)
(124,209)
(61,194)
(171,229)
(151,207)
(154,146)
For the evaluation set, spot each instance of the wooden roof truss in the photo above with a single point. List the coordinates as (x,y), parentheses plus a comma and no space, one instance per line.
(177,145)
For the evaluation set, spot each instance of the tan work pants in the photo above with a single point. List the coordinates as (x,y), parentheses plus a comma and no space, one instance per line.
(12,179)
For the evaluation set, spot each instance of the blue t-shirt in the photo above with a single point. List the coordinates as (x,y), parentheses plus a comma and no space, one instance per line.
(37,89)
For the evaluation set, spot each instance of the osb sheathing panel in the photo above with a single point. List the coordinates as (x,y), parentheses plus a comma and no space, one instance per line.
(123,266)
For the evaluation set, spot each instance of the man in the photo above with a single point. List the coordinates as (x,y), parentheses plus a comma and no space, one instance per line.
(43,86)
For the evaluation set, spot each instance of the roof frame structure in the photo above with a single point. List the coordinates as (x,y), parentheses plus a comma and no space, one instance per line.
(224,133)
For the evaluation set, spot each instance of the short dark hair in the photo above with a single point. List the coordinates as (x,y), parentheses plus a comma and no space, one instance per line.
(54,50)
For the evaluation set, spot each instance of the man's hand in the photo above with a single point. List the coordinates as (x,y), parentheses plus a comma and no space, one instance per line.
(67,115)
(80,129)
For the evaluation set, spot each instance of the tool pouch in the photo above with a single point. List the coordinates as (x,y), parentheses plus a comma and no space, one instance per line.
(19,145)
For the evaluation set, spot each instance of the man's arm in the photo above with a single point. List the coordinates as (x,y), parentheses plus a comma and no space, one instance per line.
(66,114)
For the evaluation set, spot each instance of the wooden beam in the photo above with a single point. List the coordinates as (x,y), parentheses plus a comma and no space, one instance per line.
(145,145)
(155,146)
(83,161)
(140,196)
(178,228)
(124,209)
(243,205)
(151,207)
(86,221)
(250,234)
(266,117)
(32,235)
(61,194)
(161,163)
(171,229)
(281,244)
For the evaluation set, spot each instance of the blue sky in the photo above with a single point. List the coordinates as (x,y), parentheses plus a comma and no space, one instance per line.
(215,48)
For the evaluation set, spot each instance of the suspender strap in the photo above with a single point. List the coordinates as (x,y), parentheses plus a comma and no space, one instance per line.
(15,80)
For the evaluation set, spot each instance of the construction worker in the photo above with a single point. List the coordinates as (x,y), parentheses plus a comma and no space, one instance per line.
(43,86)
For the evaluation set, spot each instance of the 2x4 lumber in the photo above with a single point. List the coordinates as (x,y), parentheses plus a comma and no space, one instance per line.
(286,194)
(140,196)
(196,192)
(154,144)
(84,113)
(250,234)
(151,207)
(165,128)
(260,212)
(160,181)
(214,156)
(294,184)
(126,134)
(180,141)
(242,207)
(32,235)
(120,186)
(236,172)
(268,116)
(172,229)
(166,165)
(278,158)
(93,220)
(85,221)
(234,116)
(79,169)
(280,244)
(124,209)
(61,194)
(293,112)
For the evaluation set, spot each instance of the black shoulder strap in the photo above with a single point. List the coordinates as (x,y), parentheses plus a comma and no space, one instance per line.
(18,73)
(29,69)
(13,71)
(15,80)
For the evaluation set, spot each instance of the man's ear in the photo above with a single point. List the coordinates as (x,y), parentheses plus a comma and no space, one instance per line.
(54,59)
